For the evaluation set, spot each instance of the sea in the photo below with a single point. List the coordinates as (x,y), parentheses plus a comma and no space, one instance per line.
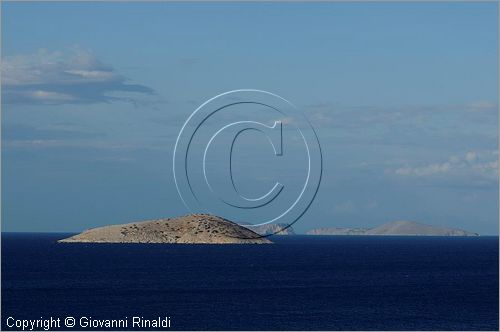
(297,283)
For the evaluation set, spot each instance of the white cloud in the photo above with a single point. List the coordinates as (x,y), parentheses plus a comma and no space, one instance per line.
(49,96)
(424,170)
(470,156)
(74,76)
(99,75)
(287,120)
(488,169)
(473,163)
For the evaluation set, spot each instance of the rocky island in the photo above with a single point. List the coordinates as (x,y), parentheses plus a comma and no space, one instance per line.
(194,228)
(401,227)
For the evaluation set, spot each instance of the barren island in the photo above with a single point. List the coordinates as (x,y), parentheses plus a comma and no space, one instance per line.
(193,228)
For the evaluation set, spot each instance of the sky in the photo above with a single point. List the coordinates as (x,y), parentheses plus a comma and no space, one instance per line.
(403,98)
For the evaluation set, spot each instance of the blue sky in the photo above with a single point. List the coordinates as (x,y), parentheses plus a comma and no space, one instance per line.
(403,98)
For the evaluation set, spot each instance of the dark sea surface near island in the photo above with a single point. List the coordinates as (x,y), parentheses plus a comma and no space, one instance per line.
(298,283)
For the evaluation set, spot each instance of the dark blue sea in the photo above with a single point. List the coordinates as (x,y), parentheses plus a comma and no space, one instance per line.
(298,283)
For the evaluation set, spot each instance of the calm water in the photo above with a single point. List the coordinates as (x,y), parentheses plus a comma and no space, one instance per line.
(309,283)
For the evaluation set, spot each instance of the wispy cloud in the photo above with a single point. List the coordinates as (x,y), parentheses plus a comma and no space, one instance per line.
(473,163)
(482,105)
(426,170)
(332,114)
(73,76)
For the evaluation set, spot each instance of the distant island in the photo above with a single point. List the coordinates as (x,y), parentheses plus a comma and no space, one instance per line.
(194,228)
(410,228)
(270,229)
